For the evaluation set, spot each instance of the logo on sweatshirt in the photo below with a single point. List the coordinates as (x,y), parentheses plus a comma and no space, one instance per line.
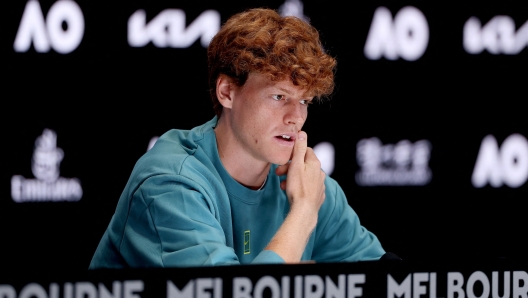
(246,242)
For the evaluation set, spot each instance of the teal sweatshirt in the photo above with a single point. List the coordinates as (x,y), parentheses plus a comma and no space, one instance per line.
(180,207)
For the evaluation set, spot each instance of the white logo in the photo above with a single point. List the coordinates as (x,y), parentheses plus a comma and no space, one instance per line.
(498,36)
(325,152)
(48,185)
(152,141)
(406,36)
(167,29)
(293,8)
(508,165)
(393,165)
(48,33)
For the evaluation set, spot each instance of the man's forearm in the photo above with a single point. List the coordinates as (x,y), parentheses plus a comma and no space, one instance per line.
(290,240)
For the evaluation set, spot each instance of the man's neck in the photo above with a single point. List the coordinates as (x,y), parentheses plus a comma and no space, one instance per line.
(245,169)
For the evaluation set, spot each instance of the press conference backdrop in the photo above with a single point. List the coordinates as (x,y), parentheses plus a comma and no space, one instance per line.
(425,132)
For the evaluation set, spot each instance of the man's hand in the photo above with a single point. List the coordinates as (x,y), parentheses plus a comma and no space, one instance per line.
(306,192)
(305,181)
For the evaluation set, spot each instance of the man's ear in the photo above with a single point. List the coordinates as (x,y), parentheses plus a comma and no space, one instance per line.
(225,90)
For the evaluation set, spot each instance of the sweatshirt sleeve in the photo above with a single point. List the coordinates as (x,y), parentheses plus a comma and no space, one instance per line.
(171,223)
(339,233)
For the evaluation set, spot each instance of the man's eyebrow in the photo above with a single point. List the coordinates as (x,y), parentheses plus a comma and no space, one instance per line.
(290,92)
(284,90)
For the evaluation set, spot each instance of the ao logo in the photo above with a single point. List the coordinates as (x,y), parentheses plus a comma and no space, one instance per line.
(167,29)
(407,36)
(50,33)
(508,165)
(498,36)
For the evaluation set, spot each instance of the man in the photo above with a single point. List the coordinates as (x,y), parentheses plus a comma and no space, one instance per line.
(243,188)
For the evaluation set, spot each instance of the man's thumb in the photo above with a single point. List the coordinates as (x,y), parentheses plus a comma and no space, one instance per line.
(299,149)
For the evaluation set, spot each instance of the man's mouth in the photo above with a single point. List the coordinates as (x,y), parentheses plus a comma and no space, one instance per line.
(285,138)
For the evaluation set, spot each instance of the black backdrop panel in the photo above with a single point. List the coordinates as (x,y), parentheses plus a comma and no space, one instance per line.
(105,100)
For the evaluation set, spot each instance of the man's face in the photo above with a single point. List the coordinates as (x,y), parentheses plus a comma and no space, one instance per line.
(267,116)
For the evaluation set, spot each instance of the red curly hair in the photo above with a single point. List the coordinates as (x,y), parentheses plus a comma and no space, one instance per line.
(260,40)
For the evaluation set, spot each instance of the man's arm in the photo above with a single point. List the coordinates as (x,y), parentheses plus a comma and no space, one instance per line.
(306,192)
(170,223)
(339,235)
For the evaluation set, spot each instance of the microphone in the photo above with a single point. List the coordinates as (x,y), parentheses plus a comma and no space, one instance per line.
(389,256)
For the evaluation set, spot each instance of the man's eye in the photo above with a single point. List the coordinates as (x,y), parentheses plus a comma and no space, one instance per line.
(305,102)
(278,97)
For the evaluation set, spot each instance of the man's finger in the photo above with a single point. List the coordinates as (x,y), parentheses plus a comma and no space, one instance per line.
(282,169)
(283,184)
(299,148)
(311,158)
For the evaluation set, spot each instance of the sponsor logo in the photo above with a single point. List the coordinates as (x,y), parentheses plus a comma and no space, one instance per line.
(393,165)
(325,152)
(497,36)
(508,165)
(48,185)
(293,8)
(50,33)
(168,30)
(405,36)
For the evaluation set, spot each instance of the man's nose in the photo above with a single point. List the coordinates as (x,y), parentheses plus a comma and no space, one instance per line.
(295,113)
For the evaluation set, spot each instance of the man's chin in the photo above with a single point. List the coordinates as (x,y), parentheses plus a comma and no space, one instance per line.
(282,161)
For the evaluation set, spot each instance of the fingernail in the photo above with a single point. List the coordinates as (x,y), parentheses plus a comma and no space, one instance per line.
(302,135)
